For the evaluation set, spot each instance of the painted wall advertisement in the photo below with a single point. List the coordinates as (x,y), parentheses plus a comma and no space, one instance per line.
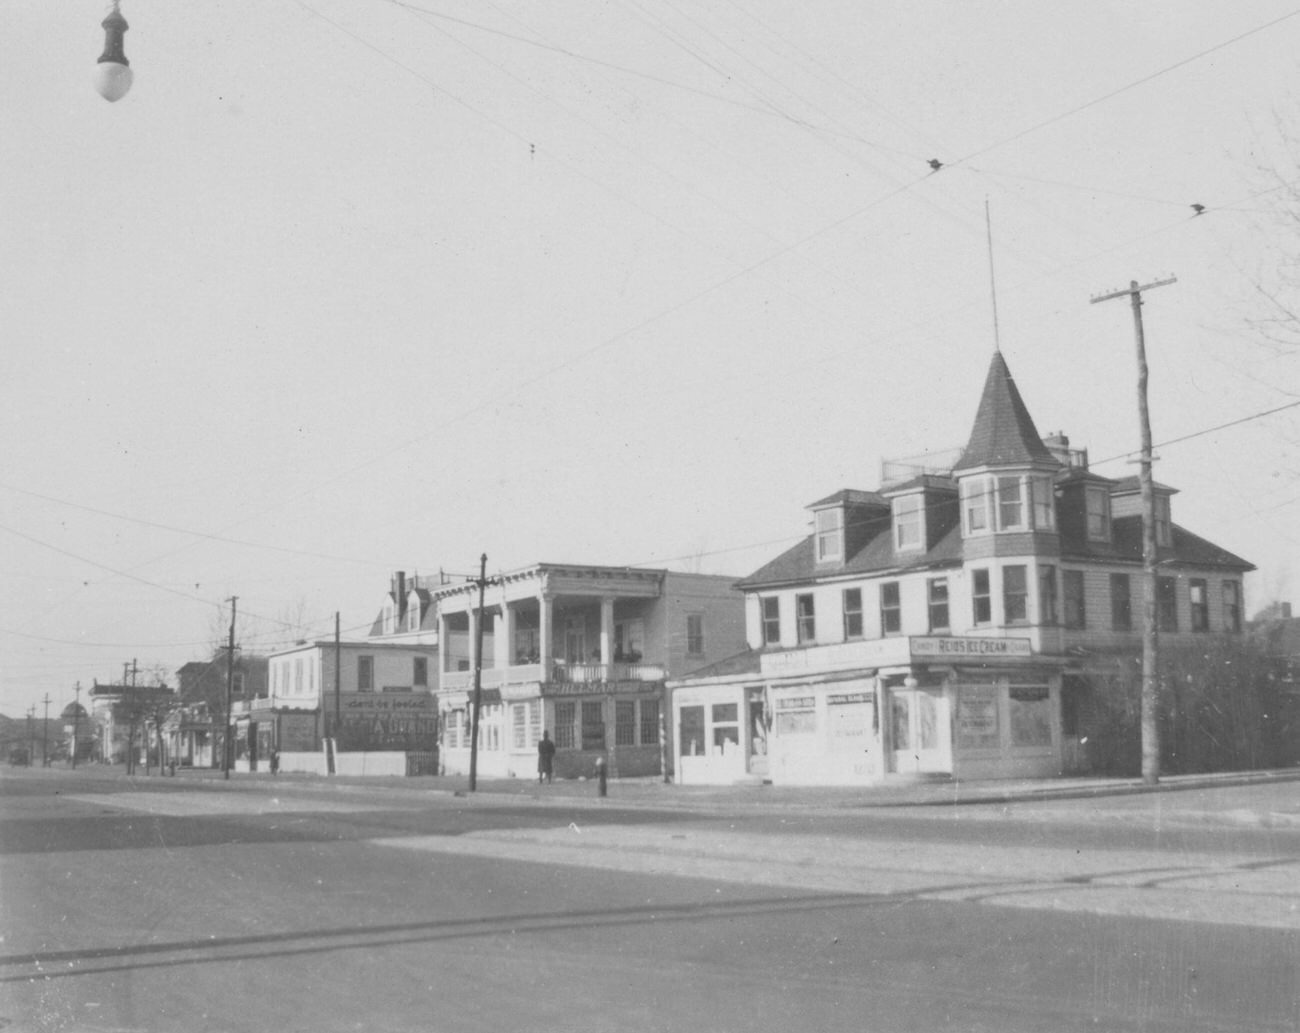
(388,721)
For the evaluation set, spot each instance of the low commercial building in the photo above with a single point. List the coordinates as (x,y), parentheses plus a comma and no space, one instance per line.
(955,622)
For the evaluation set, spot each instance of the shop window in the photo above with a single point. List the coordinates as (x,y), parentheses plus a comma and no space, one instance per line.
(977,717)
(690,731)
(1047,595)
(695,634)
(1075,613)
(937,590)
(649,722)
(1232,605)
(1121,603)
(981,597)
(1198,597)
(852,613)
(830,535)
(565,719)
(805,618)
(625,722)
(1015,594)
(795,717)
(1030,715)
(891,609)
(726,727)
(1167,603)
(593,724)
(771,621)
(519,725)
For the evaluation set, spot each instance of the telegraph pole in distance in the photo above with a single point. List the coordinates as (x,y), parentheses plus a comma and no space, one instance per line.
(230,690)
(76,720)
(45,735)
(1150,654)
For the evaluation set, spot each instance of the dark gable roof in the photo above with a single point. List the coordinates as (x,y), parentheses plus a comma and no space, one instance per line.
(1004,432)
(877,556)
(1189,550)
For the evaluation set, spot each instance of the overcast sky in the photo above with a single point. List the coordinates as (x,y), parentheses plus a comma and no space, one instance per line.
(344,287)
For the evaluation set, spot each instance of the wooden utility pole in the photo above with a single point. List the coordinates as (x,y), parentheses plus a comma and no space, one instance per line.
(230,691)
(482,581)
(1150,643)
(45,735)
(338,696)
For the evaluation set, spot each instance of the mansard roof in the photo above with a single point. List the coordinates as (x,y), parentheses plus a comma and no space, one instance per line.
(1004,432)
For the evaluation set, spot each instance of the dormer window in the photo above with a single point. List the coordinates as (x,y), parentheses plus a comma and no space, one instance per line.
(1164,529)
(1097,503)
(909,525)
(830,535)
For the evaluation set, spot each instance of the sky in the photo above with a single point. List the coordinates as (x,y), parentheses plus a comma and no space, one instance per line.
(345,287)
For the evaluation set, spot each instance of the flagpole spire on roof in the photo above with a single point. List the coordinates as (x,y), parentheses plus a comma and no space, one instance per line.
(993,285)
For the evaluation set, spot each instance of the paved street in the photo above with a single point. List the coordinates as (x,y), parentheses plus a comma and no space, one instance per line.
(196,903)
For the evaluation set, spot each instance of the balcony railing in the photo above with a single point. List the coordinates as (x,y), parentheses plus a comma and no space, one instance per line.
(561,673)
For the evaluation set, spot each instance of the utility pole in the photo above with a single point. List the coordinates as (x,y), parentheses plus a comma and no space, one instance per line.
(482,581)
(76,720)
(45,735)
(1150,643)
(31,734)
(230,690)
(338,694)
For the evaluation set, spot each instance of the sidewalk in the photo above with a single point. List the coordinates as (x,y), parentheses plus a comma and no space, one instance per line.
(655,794)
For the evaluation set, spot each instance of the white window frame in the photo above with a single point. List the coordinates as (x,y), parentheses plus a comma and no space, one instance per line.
(1096,517)
(909,523)
(829,524)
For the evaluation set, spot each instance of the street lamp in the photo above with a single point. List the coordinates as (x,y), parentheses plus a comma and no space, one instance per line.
(113,72)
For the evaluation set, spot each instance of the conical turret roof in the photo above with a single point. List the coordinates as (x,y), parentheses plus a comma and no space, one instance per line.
(1004,432)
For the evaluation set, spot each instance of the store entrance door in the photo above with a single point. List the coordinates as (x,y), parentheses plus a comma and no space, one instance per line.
(920,730)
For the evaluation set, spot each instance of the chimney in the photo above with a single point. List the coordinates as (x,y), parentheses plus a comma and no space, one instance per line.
(399,596)
(1059,445)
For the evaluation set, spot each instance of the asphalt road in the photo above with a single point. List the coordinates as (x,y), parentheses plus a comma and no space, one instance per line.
(175,904)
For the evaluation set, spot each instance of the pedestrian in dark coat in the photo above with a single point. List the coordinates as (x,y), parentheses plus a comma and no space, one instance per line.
(545,758)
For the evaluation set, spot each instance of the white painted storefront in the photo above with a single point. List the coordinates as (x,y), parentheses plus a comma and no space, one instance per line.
(925,707)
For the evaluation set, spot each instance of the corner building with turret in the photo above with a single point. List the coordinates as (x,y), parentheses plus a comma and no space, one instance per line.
(953,623)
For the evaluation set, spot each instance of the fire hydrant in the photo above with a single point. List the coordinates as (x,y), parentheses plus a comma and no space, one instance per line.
(601,777)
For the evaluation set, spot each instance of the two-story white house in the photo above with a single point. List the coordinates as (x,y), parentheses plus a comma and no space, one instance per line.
(950,623)
(582,652)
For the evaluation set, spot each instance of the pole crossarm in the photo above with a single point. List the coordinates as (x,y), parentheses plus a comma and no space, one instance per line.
(1134,288)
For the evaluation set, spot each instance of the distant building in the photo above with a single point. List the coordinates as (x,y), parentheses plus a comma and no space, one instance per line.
(582,652)
(952,623)
(369,699)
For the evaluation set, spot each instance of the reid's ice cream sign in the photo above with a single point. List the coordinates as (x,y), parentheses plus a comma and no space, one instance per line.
(971,647)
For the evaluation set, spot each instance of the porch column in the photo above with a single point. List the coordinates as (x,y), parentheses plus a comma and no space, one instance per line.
(606,631)
(505,636)
(442,643)
(545,620)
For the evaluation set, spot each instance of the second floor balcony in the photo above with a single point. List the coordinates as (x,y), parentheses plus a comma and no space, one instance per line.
(585,675)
